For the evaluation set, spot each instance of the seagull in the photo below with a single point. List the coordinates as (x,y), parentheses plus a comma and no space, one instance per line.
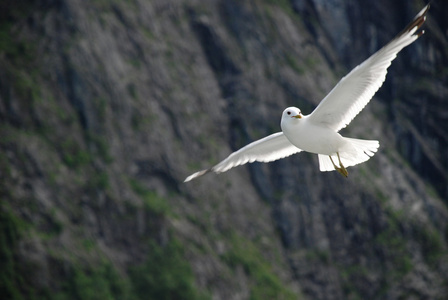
(318,132)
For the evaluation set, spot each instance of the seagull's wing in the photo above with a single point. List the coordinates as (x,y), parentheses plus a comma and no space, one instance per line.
(270,148)
(355,90)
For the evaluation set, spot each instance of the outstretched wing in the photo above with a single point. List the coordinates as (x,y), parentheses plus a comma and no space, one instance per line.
(355,90)
(270,148)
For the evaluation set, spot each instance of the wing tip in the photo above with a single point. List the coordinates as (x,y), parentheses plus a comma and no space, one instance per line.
(418,21)
(196,175)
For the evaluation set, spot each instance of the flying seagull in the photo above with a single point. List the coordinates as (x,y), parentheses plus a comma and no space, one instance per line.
(318,131)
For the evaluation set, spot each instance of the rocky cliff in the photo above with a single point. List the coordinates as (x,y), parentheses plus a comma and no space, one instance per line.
(106,106)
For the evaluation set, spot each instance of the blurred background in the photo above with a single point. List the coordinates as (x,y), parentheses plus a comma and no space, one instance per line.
(106,107)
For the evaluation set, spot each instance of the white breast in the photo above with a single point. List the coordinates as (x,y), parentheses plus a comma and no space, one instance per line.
(312,138)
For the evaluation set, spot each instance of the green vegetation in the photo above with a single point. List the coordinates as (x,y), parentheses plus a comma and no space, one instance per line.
(73,156)
(265,284)
(13,284)
(392,239)
(101,146)
(99,180)
(140,122)
(136,63)
(94,283)
(431,191)
(322,256)
(9,235)
(300,67)
(349,274)
(17,52)
(431,244)
(5,169)
(100,104)
(132,90)
(26,86)
(393,245)
(311,62)
(54,225)
(165,274)
(285,5)
(7,45)
(294,64)
(152,202)
(149,34)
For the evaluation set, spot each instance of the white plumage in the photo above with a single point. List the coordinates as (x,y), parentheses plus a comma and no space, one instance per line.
(354,91)
(270,148)
(318,132)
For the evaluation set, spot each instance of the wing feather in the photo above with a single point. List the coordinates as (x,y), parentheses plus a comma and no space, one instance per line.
(270,148)
(355,90)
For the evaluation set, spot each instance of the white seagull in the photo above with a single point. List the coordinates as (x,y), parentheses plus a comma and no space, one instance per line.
(318,131)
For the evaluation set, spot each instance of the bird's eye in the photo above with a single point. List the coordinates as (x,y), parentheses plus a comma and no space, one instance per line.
(288,112)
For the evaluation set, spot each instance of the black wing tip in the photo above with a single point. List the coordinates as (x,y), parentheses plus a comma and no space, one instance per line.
(419,34)
(418,21)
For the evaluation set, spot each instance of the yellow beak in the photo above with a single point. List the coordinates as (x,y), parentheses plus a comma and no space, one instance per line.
(298,116)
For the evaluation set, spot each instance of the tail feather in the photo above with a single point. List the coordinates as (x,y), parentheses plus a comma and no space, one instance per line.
(357,151)
(325,163)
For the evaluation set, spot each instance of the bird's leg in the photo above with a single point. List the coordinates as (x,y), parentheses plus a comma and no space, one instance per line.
(342,170)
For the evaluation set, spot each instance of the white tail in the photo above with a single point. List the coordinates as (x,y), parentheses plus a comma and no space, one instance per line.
(356,152)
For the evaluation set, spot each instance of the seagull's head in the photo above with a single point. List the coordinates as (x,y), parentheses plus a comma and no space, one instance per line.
(290,117)
(292,113)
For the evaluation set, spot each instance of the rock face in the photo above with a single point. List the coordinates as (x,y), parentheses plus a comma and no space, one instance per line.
(106,106)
